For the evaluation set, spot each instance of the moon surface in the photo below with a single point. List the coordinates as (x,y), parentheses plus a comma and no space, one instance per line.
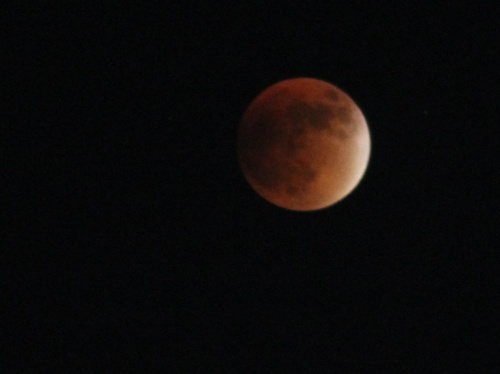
(303,144)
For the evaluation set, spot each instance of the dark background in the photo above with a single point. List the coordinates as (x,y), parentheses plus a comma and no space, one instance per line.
(134,244)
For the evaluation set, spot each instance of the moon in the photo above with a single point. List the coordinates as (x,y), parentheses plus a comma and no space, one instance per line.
(303,144)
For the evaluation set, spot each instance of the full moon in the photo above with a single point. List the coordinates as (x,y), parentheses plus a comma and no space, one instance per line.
(303,144)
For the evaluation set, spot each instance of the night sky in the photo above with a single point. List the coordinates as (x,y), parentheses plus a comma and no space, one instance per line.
(134,243)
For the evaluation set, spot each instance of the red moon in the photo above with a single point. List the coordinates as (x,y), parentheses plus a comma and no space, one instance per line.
(303,144)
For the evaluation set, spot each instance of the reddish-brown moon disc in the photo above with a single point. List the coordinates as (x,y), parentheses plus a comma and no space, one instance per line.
(303,144)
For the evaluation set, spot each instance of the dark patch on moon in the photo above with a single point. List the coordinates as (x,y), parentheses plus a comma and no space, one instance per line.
(294,144)
(263,134)
(302,175)
(334,118)
(250,143)
(303,114)
(345,126)
(333,95)
(293,176)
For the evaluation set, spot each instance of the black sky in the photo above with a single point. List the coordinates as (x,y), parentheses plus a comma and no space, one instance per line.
(134,244)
